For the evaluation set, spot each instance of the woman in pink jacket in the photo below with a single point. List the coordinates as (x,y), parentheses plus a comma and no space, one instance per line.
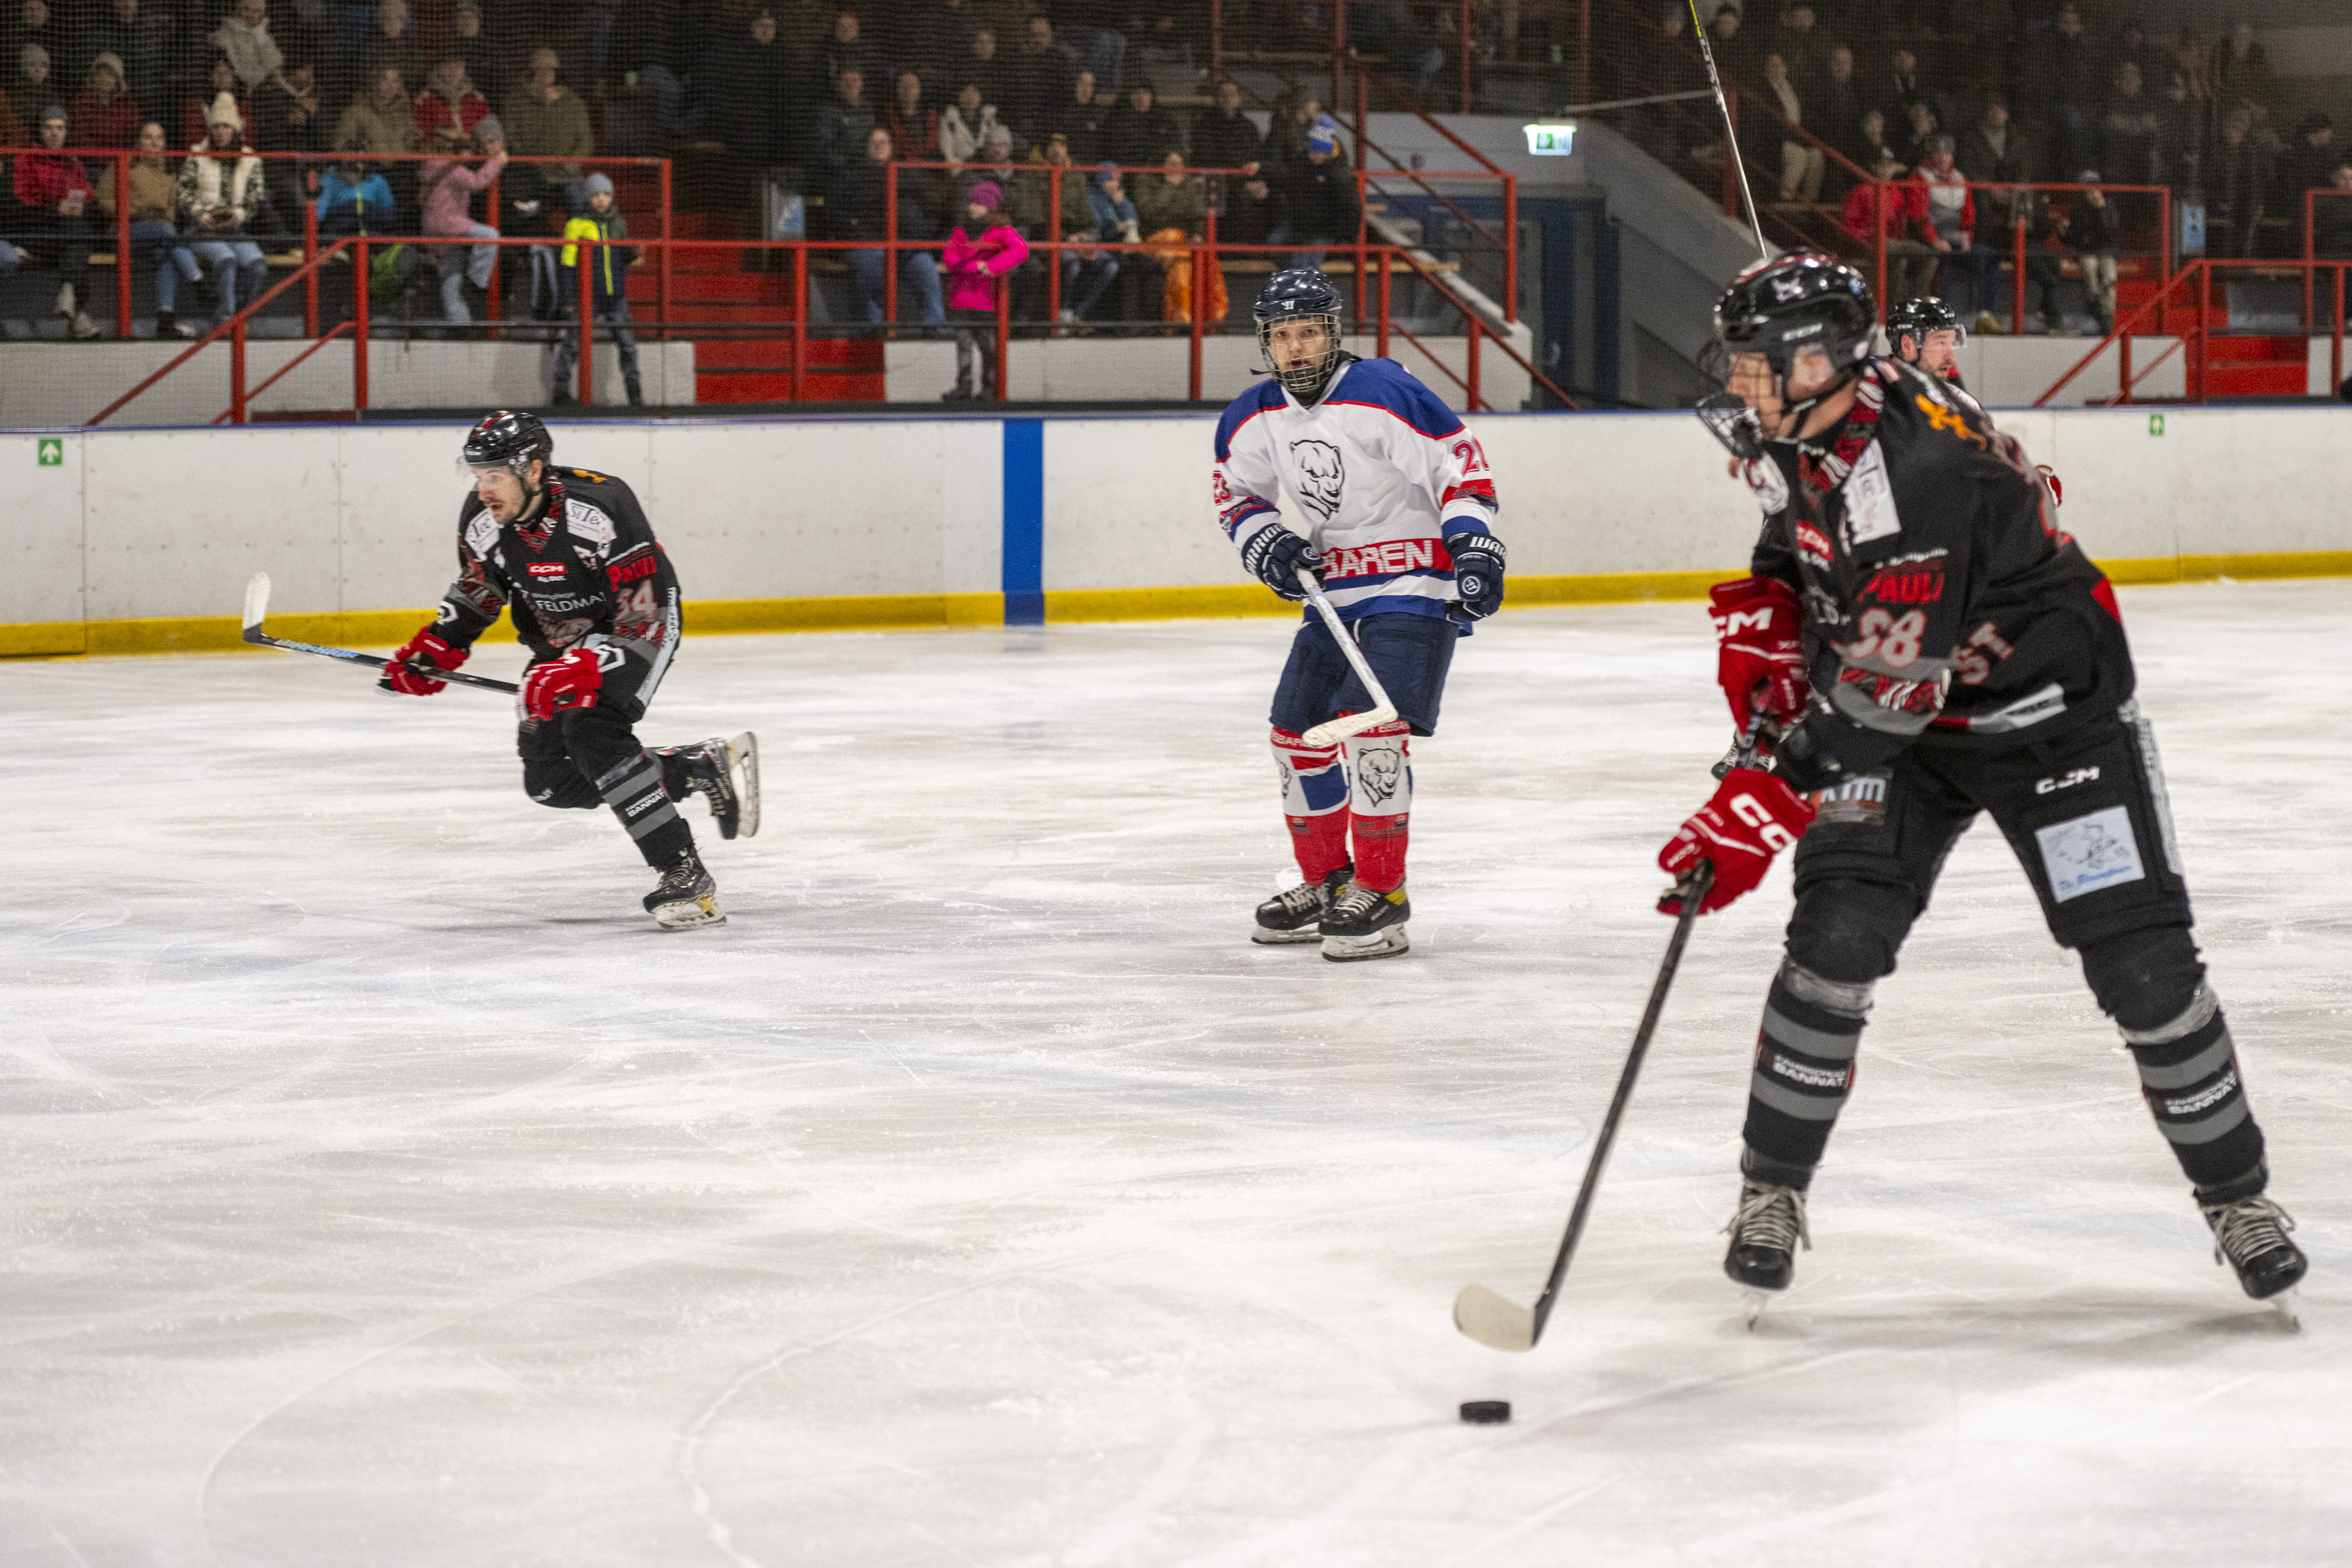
(447,188)
(973,266)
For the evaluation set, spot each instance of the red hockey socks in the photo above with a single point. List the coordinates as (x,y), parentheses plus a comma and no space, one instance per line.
(1313,803)
(1380,762)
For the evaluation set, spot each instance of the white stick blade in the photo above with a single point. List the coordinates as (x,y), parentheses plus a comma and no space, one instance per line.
(1339,730)
(1493,1322)
(257,600)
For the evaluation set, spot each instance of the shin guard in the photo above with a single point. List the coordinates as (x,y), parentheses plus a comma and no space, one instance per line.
(634,789)
(1381,760)
(1313,803)
(2189,1075)
(1804,1070)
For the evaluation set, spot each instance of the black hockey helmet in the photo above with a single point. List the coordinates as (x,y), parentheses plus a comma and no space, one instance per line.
(1918,317)
(507,439)
(1299,294)
(1780,306)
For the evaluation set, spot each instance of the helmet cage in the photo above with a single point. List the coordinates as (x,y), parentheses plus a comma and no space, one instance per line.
(1306,382)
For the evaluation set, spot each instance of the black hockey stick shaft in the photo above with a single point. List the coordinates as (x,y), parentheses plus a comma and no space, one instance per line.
(260,639)
(1693,890)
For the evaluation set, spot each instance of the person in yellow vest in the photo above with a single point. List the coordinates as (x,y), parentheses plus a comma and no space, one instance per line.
(608,286)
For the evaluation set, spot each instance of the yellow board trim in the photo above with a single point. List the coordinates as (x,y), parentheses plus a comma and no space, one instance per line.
(912,612)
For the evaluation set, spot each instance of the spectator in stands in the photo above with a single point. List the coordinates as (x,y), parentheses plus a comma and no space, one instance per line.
(608,286)
(1895,208)
(1295,116)
(2235,186)
(155,202)
(1996,151)
(938,41)
(37,24)
(244,39)
(2242,76)
(1079,121)
(32,89)
(140,39)
(966,124)
(843,124)
(1141,131)
(1900,88)
(226,203)
(983,250)
(1800,162)
(53,198)
(1734,46)
(545,118)
(1801,51)
(466,42)
(2127,128)
(1321,197)
(1091,27)
(381,121)
(856,208)
(1117,223)
(288,119)
(1949,230)
(2062,75)
(1042,76)
(995,165)
(1170,201)
(449,98)
(1921,132)
(389,44)
(2089,230)
(1870,146)
(352,200)
(984,68)
(1225,138)
(2308,164)
(196,110)
(848,50)
(1837,114)
(2181,125)
(1085,274)
(103,114)
(448,188)
(749,86)
(913,125)
(2331,231)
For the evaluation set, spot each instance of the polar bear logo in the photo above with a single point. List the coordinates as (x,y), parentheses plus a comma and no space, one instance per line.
(1380,770)
(1320,475)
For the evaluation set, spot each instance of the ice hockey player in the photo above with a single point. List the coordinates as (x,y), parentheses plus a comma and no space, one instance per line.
(1399,511)
(1927,332)
(596,604)
(1926,644)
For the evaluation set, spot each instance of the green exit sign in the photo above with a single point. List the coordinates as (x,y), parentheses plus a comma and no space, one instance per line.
(51,453)
(2156,424)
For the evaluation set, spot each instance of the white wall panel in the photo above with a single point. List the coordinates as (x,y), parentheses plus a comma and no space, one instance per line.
(175,521)
(44,530)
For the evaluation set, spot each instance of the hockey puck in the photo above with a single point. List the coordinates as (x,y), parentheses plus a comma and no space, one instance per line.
(1485,1412)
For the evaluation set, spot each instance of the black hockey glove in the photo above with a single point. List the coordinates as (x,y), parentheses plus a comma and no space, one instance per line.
(1273,554)
(1477,573)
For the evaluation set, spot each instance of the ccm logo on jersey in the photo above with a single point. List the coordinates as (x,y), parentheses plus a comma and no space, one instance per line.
(1384,560)
(545,568)
(2065,781)
(1812,543)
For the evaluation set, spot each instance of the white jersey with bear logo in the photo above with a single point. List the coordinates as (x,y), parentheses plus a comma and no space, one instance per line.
(1383,470)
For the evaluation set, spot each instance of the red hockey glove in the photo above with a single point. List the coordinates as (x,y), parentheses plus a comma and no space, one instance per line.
(1752,817)
(567,680)
(424,648)
(1761,657)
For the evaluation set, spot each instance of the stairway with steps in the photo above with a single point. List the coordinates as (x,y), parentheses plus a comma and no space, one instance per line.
(740,320)
(2238,363)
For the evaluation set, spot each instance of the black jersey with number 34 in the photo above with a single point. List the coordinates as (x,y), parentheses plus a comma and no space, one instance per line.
(1943,605)
(586,570)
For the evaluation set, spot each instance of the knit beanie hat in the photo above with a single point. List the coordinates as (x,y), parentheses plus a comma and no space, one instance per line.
(594,183)
(488,129)
(986,194)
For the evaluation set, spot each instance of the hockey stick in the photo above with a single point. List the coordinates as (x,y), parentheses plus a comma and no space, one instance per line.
(1382,710)
(1489,1318)
(1730,135)
(256,607)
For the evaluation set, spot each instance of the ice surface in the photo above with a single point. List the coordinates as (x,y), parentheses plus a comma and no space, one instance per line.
(382,1188)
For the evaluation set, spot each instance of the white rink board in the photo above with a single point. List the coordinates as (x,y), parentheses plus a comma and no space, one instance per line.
(166,524)
(383,1190)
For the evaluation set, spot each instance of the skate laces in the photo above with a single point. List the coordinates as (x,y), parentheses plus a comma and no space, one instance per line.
(1301,899)
(1358,900)
(2246,1230)
(1769,1216)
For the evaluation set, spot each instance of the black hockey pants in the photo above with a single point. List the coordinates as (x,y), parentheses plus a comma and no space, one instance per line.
(2087,818)
(587,757)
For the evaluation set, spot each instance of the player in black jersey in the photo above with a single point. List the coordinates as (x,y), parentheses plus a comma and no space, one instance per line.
(1919,643)
(595,603)
(1928,332)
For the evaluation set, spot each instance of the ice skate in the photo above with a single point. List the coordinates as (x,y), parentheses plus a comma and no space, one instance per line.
(686,896)
(1365,924)
(712,770)
(2250,1235)
(1765,1233)
(1296,916)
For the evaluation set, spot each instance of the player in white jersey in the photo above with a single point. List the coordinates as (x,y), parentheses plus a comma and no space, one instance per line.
(1400,510)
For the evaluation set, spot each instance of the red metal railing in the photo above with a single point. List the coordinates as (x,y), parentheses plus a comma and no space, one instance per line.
(2192,292)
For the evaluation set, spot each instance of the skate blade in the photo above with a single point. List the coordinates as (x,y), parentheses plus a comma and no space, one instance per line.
(1752,1303)
(1268,938)
(743,753)
(686,916)
(2287,1307)
(1387,942)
